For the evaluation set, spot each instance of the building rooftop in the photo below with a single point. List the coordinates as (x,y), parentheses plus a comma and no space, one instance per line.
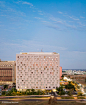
(39,53)
(6,61)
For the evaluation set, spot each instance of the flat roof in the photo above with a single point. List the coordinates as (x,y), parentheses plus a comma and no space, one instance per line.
(7,61)
(38,53)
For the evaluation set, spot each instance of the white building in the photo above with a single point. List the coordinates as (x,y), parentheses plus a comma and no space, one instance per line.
(37,70)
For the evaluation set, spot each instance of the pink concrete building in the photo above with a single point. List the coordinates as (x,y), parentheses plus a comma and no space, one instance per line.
(60,72)
(37,70)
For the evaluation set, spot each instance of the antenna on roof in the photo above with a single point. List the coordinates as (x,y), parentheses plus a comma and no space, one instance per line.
(41,50)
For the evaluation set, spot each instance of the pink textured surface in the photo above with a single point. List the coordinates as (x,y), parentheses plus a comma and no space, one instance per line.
(60,72)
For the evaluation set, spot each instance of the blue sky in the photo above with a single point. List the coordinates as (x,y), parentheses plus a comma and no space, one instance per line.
(51,25)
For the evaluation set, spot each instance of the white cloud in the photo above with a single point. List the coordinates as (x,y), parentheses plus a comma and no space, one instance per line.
(3,15)
(59,22)
(2,3)
(39,11)
(45,21)
(53,26)
(73,18)
(40,14)
(17,2)
(71,26)
(53,19)
(80,24)
(60,12)
(27,3)
(21,13)
(79,52)
(37,17)
(82,17)
(70,21)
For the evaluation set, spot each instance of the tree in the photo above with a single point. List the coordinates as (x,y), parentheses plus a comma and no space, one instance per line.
(28,92)
(32,90)
(20,93)
(5,86)
(69,86)
(79,94)
(38,92)
(14,84)
(14,90)
(70,92)
(43,92)
(3,92)
(60,90)
(62,76)
(23,93)
(85,79)
(47,91)
(13,93)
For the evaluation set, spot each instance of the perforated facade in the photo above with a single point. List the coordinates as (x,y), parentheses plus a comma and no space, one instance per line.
(37,70)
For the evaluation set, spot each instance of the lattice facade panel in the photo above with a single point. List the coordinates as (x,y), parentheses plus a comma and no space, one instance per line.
(37,70)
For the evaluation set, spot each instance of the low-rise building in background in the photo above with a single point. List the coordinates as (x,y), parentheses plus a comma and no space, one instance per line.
(7,72)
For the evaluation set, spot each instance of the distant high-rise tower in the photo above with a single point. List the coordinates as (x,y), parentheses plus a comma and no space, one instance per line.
(37,70)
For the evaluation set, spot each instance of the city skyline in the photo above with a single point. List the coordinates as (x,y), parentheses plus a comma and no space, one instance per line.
(51,25)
